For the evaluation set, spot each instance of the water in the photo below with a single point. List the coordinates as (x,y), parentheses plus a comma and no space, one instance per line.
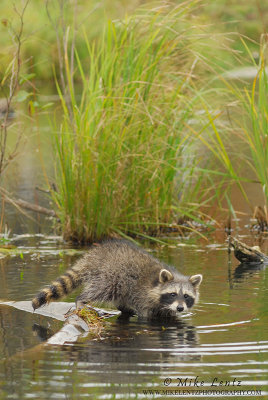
(221,346)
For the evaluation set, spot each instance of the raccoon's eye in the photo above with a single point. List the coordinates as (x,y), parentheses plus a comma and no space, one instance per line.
(186,295)
(173,294)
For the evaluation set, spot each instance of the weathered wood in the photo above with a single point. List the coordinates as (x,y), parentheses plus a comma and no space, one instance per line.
(246,254)
(74,327)
(19,203)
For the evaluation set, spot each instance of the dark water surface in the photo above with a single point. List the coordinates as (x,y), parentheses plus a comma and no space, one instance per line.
(223,342)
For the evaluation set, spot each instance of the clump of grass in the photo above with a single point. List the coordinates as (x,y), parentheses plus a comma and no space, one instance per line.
(96,323)
(249,130)
(126,165)
(255,103)
(252,128)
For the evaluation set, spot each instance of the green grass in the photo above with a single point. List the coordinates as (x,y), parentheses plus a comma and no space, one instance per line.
(135,154)
(254,129)
(39,50)
(127,161)
(238,148)
(248,18)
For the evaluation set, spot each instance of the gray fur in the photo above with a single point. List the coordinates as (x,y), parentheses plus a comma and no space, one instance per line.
(117,271)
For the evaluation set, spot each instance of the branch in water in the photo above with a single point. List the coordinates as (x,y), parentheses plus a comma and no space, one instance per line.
(19,203)
(246,254)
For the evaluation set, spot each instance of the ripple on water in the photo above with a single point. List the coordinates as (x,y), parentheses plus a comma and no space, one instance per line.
(225,336)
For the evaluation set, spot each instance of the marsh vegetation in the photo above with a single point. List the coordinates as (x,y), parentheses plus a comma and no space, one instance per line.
(144,120)
(145,124)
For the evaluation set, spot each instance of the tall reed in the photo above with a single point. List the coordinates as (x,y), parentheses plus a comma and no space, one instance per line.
(126,165)
(250,129)
(241,147)
(255,129)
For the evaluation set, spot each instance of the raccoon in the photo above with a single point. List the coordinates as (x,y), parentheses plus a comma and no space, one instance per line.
(120,272)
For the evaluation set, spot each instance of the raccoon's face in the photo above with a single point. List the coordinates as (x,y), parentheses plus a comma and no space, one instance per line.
(177,295)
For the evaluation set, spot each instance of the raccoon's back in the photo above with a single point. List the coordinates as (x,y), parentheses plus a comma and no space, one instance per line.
(122,272)
(109,270)
(116,258)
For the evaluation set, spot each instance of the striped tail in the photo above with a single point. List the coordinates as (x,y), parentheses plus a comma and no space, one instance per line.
(63,285)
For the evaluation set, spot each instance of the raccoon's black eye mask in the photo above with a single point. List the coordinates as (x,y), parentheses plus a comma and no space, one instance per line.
(189,300)
(168,298)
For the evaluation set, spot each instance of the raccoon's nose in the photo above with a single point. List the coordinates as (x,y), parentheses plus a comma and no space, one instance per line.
(180,309)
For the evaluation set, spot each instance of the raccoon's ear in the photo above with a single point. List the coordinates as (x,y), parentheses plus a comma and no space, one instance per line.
(196,280)
(165,276)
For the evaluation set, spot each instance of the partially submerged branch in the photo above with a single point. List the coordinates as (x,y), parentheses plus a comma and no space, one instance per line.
(246,254)
(19,203)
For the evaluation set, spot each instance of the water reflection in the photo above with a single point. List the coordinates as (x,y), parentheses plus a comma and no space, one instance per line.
(42,332)
(245,271)
(224,337)
(18,333)
(135,334)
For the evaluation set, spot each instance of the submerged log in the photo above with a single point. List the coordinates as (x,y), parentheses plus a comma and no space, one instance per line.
(74,326)
(246,254)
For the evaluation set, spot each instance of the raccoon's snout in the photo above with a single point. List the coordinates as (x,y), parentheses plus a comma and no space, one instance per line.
(180,309)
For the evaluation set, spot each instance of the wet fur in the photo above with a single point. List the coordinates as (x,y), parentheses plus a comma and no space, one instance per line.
(135,282)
